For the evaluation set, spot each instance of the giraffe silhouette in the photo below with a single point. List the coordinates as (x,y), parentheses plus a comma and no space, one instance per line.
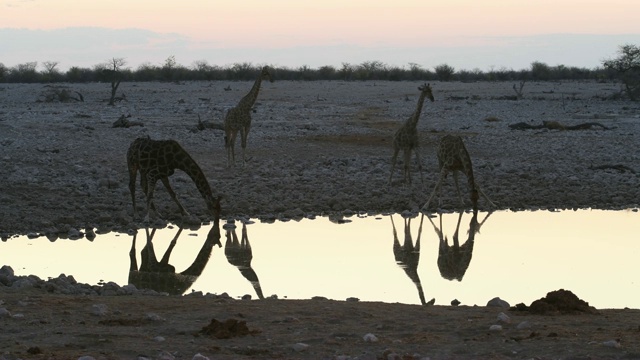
(157,160)
(239,254)
(454,260)
(453,157)
(407,255)
(238,119)
(406,137)
(160,275)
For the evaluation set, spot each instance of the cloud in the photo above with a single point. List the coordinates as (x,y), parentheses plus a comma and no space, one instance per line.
(89,46)
(86,46)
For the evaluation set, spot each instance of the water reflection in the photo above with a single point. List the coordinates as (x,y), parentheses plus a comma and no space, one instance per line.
(239,254)
(454,260)
(161,275)
(356,259)
(407,255)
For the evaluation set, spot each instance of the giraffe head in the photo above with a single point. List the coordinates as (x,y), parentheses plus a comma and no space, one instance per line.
(265,74)
(213,204)
(426,90)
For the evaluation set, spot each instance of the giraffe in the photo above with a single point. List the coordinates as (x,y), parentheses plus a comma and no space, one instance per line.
(406,138)
(157,160)
(238,118)
(239,254)
(454,260)
(407,255)
(453,157)
(160,275)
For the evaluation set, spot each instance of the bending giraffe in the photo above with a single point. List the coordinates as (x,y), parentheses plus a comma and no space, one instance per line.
(453,157)
(238,119)
(454,260)
(157,160)
(406,138)
(161,275)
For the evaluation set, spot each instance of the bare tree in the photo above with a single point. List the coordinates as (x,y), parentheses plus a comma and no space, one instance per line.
(112,74)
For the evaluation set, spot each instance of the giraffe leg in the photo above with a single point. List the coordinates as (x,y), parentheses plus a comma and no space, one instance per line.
(419,165)
(394,158)
(230,144)
(485,196)
(149,186)
(437,188)
(172,193)
(407,165)
(133,173)
(244,132)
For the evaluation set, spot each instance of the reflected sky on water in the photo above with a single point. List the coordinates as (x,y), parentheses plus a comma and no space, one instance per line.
(518,256)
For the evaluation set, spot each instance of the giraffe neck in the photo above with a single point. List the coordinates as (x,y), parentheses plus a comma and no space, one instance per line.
(248,100)
(413,120)
(191,168)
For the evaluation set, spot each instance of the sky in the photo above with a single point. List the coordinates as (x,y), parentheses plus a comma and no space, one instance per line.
(466,34)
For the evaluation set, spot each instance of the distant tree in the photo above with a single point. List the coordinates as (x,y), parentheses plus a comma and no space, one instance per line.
(444,72)
(346,71)
(77,74)
(327,72)
(50,72)
(168,68)
(25,72)
(111,72)
(627,68)
(540,71)
(3,72)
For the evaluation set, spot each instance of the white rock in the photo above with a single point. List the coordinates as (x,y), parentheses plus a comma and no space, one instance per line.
(612,343)
(524,325)
(4,313)
(370,338)
(495,328)
(99,309)
(502,317)
(199,356)
(299,347)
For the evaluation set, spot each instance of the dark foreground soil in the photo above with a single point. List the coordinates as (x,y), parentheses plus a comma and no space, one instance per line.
(47,326)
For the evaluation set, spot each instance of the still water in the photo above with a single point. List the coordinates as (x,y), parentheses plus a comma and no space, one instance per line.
(518,256)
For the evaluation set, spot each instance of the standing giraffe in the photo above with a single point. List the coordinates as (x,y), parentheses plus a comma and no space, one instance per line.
(157,160)
(453,156)
(407,255)
(238,118)
(239,254)
(406,138)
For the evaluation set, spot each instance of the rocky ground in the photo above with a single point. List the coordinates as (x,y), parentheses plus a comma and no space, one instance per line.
(314,148)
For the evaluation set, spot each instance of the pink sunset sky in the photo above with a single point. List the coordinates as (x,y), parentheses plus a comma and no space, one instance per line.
(463,33)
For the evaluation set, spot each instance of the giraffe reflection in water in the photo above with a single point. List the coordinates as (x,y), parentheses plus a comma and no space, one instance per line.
(454,260)
(239,254)
(160,275)
(408,255)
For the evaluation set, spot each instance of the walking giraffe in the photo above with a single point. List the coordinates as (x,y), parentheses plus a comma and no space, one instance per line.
(406,138)
(238,119)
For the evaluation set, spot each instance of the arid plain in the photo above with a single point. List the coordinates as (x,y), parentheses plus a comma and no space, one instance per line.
(315,148)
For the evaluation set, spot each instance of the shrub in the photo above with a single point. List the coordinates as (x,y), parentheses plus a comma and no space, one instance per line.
(627,68)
